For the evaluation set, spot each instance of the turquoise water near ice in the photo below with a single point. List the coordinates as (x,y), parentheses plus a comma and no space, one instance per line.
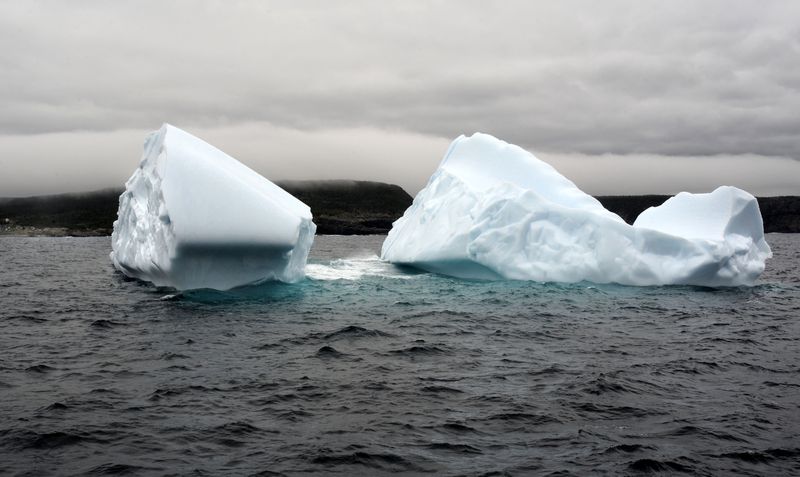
(368,369)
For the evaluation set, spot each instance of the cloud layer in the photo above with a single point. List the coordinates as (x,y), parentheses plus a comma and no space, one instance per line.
(367,88)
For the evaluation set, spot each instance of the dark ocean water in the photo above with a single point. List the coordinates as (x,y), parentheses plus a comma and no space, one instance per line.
(366,369)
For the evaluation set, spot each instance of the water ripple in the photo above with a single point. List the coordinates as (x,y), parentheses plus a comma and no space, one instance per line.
(370,369)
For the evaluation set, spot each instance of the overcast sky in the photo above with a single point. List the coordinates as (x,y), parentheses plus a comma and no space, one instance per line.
(623,97)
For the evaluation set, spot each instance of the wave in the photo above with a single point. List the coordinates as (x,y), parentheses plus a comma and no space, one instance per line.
(380,461)
(647,466)
(355,268)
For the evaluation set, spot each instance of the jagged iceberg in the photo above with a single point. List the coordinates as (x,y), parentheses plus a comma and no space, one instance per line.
(193,217)
(493,210)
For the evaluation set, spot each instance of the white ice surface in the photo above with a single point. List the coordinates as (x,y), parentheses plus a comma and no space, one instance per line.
(193,217)
(493,210)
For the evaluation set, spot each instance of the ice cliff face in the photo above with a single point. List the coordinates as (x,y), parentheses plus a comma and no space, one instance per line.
(493,210)
(193,217)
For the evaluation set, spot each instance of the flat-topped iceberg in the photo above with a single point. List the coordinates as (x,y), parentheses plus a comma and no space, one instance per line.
(493,210)
(193,217)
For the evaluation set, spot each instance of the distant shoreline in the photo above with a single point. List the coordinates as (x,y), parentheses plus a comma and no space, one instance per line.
(60,232)
(339,208)
(30,231)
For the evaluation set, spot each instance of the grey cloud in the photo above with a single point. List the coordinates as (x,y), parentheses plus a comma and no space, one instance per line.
(680,78)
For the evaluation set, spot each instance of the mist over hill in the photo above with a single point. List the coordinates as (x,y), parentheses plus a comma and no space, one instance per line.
(339,206)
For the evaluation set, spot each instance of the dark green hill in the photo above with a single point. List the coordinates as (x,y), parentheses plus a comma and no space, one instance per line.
(351,207)
(339,207)
(89,213)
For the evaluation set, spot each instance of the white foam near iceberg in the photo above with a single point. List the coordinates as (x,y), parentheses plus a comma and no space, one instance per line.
(193,217)
(493,210)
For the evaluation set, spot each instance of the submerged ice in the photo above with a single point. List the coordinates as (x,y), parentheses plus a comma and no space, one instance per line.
(493,210)
(193,217)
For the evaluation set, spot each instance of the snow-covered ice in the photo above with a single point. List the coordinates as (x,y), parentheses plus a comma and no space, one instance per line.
(193,217)
(493,210)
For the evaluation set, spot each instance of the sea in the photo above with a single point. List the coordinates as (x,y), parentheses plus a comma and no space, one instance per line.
(364,368)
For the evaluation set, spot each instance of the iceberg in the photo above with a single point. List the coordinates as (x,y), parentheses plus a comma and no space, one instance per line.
(192,217)
(494,211)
